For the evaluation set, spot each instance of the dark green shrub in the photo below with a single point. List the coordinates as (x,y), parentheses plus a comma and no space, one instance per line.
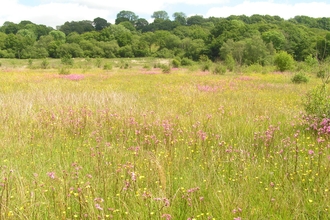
(299,78)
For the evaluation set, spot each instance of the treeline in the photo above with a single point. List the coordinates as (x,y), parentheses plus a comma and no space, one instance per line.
(244,39)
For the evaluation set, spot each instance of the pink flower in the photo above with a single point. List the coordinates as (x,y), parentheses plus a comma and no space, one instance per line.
(51,175)
(167,216)
(98,206)
(310,152)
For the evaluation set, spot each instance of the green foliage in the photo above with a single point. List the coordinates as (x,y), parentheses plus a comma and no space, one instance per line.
(67,60)
(320,74)
(64,70)
(98,62)
(124,65)
(166,68)
(186,62)
(219,69)
(30,63)
(299,78)
(205,62)
(230,62)
(176,63)
(283,61)
(311,61)
(146,66)
(107,66)
(317,102)
(44,64)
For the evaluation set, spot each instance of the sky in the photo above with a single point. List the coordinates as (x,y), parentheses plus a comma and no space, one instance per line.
(56,12)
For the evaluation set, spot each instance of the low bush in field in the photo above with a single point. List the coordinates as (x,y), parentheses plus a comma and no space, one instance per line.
(176,63)
(299,78)
(107,66)
(44,64)
(220,69)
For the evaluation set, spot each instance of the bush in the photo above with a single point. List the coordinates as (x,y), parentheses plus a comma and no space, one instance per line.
(107,66)
(67,60)
(44,64)
(317,102)
(206,66)
(147,67)
(230,62)
(283,61)
(166,68)
(98,62)
(176,63)
(320,74)
(299,78)
(220,70)
(186,62)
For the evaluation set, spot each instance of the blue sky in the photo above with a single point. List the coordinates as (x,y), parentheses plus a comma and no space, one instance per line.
(56,12)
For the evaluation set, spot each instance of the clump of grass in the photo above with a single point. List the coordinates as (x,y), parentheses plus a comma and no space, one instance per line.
(64,70)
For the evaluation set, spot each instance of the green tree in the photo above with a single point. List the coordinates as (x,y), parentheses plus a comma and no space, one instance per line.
(255,51)
(180,17)
(276,38)
(126,16)
(162,15)
(141,23)
(100,23)
(58,36)
(195,20)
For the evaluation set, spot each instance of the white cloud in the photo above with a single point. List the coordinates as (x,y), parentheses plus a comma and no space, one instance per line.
(56,12)
(286,11)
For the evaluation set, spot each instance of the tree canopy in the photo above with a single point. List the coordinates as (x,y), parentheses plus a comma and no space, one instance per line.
(244,39)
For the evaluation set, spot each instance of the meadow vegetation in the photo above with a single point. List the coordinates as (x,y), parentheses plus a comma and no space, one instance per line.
(137,139)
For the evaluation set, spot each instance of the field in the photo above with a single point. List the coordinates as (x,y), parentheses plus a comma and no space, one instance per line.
(131,142)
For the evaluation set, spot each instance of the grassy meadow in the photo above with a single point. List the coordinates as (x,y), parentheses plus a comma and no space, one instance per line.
(131,142)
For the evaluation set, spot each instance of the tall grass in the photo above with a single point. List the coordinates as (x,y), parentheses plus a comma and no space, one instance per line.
(126,144)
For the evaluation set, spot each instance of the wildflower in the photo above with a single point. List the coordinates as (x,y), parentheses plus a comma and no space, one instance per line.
(51,175)
(310,152)
(167,216)
(98,206)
